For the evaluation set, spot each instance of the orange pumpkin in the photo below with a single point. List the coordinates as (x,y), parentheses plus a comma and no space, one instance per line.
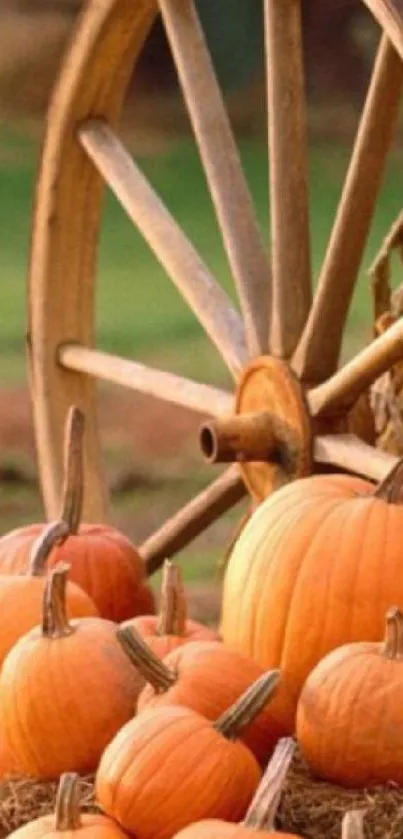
(259,822)
(21,599)
(206,677)
(67,821)
(69,685)
(169,767)
(172,628)
(349,718)
(317,566)
(102,561)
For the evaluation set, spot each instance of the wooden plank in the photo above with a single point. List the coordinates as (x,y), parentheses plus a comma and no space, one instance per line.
(346,451)
(389,14)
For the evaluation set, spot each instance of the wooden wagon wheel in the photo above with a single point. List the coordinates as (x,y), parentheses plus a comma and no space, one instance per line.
(283,347)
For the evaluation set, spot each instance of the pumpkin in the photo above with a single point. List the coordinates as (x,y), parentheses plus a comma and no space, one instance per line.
(172,628)
(169,767)
(259,822)
(317,566)
(21,600)
(102,561)
(349,717)
(65,690)
(67,821)
(206,677)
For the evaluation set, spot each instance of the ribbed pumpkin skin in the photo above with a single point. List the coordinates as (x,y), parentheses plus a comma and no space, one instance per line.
(167,768)
(62,700)
(210,679)
(21,607)
(93,826)
(218,829)
(317,566)
(102,562)
(161,645)
(349,717)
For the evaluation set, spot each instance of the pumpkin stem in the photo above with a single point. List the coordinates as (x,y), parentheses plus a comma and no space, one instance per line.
(393,646)
(53,534)
(262,811)
(149,665)
(73,482)
(67,810)
(233,721)
(352,826)
(54,618)
(391,488)
(172,617)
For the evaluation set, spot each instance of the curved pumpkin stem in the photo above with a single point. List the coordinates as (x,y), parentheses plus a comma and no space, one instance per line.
(144,659)
(54,618)
(393,646)
(391,488)
(233,721)
(262,811)
(53,534)
(353,825)
(173,611)
(73,485)
(67,810)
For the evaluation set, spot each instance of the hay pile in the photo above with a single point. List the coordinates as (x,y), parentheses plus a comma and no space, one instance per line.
(23,800)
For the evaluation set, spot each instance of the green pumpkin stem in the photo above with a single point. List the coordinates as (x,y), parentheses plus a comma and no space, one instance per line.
(73,482)
(172,617)
(147,663)
(352,826)
(233,721)
(67,809)
(53,534)
(55,623)
(391,488)
(393,644)
(262,811)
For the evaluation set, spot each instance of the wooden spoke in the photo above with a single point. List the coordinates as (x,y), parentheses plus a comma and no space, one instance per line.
(318,352)
(220,158)
(342,389)
(346,451)
(389,14)
(165,386)
(170,245)
(291,262)
(195,517)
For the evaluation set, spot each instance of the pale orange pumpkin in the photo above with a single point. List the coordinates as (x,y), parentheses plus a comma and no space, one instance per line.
(103,562)
(349,717)
(169,767)
(171,628)
(206,677)
(317,566)
(66,688)
(67,821)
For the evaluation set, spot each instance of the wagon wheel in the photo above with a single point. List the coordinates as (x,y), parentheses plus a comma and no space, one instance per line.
(282,348)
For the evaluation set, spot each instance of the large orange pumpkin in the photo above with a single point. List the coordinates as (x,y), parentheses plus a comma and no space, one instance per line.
(66,688)
(171,628)
(102,561)
(206,677)
(349,717)
(67,821)
(169,767)
(317,566)
(259,822)
(21,599)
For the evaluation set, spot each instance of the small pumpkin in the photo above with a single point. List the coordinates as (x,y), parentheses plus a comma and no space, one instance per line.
(67,821)
(169,767)
(102,560)
(259,822)
(69,685)
(206,677)
(349,718)
(21,599)
(317,566)
(171,628)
